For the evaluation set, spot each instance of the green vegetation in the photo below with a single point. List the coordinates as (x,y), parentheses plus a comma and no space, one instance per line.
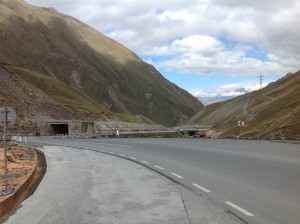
(134,118)
(97,66)
(272,112)
(59,91)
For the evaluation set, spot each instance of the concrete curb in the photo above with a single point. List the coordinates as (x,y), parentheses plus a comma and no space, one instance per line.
(24,191)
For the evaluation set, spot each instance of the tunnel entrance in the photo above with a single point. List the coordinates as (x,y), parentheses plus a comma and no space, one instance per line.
(191,133)
(60,129)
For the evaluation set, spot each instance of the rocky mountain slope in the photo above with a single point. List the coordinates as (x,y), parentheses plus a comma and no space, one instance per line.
(33,105)
(272,112)
(62,47)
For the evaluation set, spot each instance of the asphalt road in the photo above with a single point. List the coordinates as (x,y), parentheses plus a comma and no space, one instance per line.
(259,181)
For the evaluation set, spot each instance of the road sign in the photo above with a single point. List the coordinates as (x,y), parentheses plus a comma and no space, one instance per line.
(241,123)
(8,115)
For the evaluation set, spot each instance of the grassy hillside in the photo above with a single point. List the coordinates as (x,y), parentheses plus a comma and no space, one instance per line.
(134,119)
(59,91)
(272,112)
(37,97)
(62,47)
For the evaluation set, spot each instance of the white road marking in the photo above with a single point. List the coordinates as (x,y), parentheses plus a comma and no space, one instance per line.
(239,208)
(201,188)
(159,167)
(122,155)
(132,158)
(176,175)
(145,162)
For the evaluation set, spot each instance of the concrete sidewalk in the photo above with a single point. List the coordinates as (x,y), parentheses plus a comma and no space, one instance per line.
(83,186)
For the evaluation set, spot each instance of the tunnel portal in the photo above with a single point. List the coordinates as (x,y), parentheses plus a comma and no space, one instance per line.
(191,133)
(61,128)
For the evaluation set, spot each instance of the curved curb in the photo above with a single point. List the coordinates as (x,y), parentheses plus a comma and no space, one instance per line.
(27,188)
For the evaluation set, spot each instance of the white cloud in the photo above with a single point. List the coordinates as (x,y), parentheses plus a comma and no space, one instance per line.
(191,33)
(233,93)
(197,43)
(257,4)
(206,55)
(228,91)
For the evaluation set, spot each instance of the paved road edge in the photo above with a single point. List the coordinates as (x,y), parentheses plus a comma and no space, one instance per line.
(8,205)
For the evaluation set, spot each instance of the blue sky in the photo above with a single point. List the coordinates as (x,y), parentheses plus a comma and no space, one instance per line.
(210,48)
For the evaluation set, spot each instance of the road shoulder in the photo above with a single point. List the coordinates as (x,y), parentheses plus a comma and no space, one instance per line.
(26,168)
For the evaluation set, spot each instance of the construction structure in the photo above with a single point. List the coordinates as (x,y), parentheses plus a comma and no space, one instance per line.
(65,127)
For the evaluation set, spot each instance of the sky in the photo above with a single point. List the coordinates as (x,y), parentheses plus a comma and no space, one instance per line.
(211,48)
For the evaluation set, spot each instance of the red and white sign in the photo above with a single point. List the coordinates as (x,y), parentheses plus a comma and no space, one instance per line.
(241,123)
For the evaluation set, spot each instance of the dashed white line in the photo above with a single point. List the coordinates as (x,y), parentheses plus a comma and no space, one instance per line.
(176,175)
(158,167)
(239,208)
(143,161)
(132,158)
(201,188)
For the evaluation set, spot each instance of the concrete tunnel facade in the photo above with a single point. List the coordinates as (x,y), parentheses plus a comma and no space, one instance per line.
(68,128)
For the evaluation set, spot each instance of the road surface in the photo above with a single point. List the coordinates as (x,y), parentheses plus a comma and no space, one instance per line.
(259,181)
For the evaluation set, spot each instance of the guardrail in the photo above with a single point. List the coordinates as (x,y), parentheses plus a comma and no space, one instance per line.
(120,132)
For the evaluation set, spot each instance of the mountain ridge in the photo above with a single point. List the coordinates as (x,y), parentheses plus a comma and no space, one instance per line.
(34,105)
(272,112)
(64,48)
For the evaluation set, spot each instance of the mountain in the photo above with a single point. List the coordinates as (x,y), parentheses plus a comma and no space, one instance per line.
(45,41)
(272,112)
(56,101)
(218,96)
(214,99)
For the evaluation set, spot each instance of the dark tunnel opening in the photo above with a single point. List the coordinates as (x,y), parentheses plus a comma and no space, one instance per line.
(60,129)
(191,133)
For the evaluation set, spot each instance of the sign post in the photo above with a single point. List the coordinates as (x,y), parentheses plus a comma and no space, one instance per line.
(7,118)
(241,124)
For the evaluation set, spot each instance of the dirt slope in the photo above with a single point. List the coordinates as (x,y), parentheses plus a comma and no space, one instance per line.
(64,48)
(272,112)
(32,104)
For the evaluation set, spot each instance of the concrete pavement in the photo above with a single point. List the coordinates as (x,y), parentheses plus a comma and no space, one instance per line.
(83,186)
(260,177)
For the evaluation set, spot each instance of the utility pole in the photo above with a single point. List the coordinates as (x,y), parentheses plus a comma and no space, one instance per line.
(261,81)
(7,118)
(5,148)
